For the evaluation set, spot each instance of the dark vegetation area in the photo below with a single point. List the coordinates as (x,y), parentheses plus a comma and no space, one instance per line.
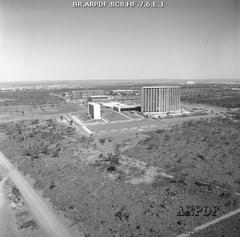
(37,138)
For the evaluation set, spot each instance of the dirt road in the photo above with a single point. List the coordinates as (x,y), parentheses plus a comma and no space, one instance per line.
(46,218)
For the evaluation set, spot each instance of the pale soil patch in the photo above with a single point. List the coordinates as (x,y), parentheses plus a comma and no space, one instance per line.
(134,171)
(132,141)
(147,173)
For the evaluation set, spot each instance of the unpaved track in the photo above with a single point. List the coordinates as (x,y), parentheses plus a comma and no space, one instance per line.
(46,218)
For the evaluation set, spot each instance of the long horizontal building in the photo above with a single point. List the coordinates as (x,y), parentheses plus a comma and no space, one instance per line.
(160,98)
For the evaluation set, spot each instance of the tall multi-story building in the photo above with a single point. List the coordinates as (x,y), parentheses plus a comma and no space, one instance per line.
(160,98)
(94,109)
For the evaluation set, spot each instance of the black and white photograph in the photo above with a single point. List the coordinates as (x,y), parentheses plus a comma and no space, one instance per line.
(120,118)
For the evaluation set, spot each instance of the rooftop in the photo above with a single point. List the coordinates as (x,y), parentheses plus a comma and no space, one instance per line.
(98,96)
(161,87)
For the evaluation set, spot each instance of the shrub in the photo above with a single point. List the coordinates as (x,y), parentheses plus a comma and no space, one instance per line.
(29,224)
(52,184)
(16,192)
(113,159)
(102,140)
(35,121)
(110,139)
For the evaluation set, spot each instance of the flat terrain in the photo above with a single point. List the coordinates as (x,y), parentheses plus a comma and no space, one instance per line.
(128,177)
(145,187)
(126,126)
(139,125)
(28,97)
(111,115)
(224,95)
(38,111)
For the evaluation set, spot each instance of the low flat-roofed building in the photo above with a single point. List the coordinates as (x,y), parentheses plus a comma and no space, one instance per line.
(123,107)
(98,98)
(190,82)
(83,94)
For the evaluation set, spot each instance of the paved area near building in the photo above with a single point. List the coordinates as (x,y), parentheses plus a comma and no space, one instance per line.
(126,126)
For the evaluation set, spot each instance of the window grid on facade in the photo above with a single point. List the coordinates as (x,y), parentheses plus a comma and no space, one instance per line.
(161,99)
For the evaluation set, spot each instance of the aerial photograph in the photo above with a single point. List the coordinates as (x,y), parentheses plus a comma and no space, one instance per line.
(120,118)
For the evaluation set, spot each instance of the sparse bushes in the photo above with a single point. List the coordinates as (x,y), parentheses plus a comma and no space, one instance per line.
(122,215)
(102,140)
(31,224)
(117,149)
(37,137)
(35,121)
(34,148)
(113,159)
(28,97)
(220,95)
(110,139)
(16,192)
(52,184)
(113,162)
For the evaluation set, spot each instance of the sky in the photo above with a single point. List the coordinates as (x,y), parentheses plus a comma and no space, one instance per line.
(52,40)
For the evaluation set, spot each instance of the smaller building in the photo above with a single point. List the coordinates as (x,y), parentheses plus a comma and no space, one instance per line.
(123,107)
(84,94)
(98,98)
(190,82)
(94,110)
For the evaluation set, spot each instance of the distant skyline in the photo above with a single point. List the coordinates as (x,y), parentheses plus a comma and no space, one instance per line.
(51,40)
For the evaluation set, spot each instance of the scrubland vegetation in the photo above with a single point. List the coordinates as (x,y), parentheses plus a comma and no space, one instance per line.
(28,97)
(220,95)
(92,189)
(22,217)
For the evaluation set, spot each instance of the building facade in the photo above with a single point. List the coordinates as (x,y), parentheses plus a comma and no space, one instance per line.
(160,98)
(98,98)
(94,110)
(122,107)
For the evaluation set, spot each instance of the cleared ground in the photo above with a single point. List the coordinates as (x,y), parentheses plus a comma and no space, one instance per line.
(126,126)
(143,125)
